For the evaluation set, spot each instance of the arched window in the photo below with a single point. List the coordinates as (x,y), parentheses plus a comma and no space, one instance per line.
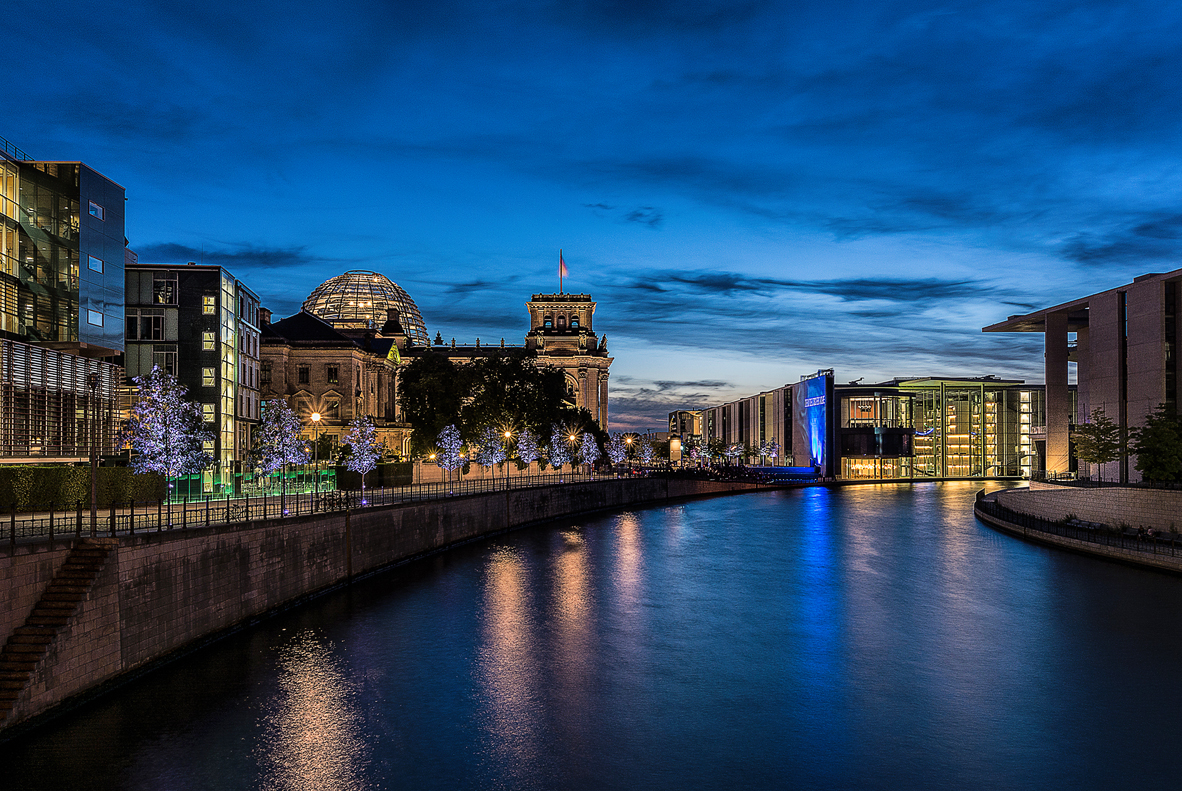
(548,322)
(562,322)
(570,387)
(574,322)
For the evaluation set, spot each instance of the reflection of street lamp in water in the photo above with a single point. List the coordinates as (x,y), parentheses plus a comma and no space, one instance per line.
(315,457)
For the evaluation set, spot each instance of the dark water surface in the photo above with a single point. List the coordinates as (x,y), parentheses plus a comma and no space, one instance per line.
(868,637)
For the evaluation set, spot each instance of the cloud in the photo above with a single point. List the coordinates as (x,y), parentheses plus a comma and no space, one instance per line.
(891,289)
(240,255)
(1144,241)
(645,215)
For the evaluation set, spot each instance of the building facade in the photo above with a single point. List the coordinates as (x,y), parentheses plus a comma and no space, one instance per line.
(1125,344)
(903,428)
(61,309)
(200,324)
(562,335)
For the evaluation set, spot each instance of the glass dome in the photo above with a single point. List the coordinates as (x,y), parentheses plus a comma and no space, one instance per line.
(360,299)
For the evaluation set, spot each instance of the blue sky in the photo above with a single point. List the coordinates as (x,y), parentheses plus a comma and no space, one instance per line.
(750,190)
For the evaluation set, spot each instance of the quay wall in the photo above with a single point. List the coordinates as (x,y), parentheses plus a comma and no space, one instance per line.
(1160,509)
(159,593)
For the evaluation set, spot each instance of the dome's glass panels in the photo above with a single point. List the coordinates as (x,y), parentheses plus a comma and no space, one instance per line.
(360,299)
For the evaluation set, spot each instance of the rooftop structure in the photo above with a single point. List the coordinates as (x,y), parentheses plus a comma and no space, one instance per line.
(361,300)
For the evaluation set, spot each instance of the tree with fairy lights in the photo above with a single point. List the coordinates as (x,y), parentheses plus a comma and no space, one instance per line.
(646,453)
(589,450)
(559,451)
(527,447)
(617,450)
(167,433)
(449,445)
(277,443)
(364,448)
(491,450)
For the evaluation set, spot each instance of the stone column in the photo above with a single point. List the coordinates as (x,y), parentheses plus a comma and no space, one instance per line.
(603,399)
(1058,400)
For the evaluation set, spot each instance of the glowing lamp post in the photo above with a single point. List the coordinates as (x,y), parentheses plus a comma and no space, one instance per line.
(315,458)
(508,436)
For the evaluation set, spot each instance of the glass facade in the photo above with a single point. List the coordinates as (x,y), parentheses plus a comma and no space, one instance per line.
(61,255)
(360,299)
(941,429)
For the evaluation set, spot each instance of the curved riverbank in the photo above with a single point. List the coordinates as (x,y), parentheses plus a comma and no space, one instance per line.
(1094,540)
(83,617)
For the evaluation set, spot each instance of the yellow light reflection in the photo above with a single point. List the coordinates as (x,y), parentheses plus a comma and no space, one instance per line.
(312,730)
(508,669)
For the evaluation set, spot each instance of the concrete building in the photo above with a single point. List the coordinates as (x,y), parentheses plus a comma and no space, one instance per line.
(200,324)
(1124,342)
(61,309)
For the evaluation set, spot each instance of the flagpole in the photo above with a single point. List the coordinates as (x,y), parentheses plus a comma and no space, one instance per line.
(559,270)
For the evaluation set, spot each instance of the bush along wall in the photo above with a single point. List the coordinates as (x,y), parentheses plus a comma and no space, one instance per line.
(34,488)
(399,473)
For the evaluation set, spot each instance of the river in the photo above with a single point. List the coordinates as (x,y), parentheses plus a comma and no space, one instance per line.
(873,637)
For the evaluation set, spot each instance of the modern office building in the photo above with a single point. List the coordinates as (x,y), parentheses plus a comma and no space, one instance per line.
(201,324)
(1126,350)
(903,428)
(61,309)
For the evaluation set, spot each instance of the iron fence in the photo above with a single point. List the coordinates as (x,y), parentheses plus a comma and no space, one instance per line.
(56,522)
(1120,537)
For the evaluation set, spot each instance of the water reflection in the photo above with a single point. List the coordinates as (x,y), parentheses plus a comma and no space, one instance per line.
(312,732)
(507,671)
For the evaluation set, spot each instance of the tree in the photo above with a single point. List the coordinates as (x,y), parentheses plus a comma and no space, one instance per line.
(1158,445)
(559,452)
(646,452)
(166,432)
(617,450)
(277,442)
(491,447)
(431,390)
(589,449)
(510,389)
(450,444)
(527,447)
(1098,441)
(364,448)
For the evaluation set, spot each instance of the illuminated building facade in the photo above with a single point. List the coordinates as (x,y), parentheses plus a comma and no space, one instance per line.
(200,324)
(61,308)
(912,428)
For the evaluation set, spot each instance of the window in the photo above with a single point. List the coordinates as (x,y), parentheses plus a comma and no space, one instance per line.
(94,317)
(332,373)
(574,322)
(562,322)
(146,324)
(302,376)
(209,305)
(207,342)
(97,211)
(332,409)
(548,322)
(164,357)
(207,413)
(265,376)
(207,377)
(164,291)
(95,264)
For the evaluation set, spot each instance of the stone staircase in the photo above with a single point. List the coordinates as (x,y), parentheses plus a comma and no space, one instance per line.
(28,644)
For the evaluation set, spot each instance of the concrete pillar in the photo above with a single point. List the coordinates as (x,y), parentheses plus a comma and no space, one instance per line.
(1058,394)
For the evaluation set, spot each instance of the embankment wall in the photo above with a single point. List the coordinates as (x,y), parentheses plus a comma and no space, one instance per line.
(162,592)
(1160,509)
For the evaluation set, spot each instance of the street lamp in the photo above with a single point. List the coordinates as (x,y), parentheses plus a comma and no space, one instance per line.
(315,458)
(508,436)
(92,381)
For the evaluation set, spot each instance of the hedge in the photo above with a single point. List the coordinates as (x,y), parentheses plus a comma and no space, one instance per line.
(399,473)
(35,488)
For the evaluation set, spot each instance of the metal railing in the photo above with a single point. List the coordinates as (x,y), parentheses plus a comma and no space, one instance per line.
(52,523)
(1129,539)
(12,152)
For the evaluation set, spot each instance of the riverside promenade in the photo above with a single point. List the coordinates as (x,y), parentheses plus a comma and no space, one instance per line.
(1125,525)
(86,613)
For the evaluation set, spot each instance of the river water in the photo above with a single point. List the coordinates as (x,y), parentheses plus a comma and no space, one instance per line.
(867,637)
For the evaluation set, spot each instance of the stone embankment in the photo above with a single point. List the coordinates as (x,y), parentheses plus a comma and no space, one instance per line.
(81,617)
(1046,514)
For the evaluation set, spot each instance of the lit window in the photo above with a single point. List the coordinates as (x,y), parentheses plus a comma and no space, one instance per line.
(97,211)
(332,373)
(94,317)
(209,305)
(207,341)
(207,413)
(95,264)
(164,288)
(207,378)
(207,446)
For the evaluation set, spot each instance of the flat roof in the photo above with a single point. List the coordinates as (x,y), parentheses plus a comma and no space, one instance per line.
(1076,309)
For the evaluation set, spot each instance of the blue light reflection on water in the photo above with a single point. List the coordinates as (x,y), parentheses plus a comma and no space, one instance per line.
(871,637)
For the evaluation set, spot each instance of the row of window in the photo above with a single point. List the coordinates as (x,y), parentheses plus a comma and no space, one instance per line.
(332,375)
(548,322)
